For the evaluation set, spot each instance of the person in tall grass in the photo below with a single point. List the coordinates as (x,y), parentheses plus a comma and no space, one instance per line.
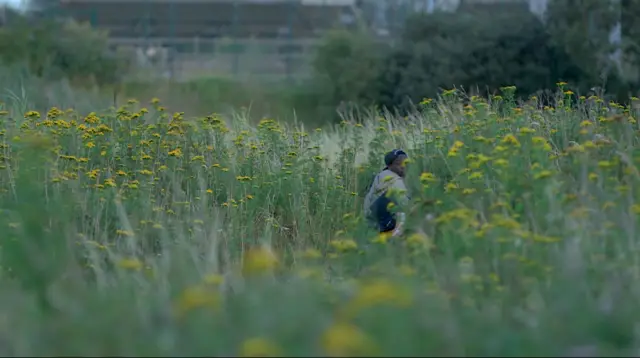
(387,191)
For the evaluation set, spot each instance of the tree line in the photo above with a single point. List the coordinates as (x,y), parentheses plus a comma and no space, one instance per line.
(479,49)
(483,48)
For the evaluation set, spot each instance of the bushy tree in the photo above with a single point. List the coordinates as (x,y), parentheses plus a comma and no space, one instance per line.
(476,50)
(630,13)
(484,47)
(582,29)
(346,66)
(60,49)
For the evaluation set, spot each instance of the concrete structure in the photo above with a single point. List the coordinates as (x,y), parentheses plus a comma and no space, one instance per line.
(389,15)
(249,18)
(535,6)
(211,18)
(186,38)
(252,38)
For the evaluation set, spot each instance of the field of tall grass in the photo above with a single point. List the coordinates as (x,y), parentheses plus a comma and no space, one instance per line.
(134,231)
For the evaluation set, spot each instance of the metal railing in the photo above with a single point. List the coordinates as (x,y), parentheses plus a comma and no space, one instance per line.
(167,40)
(256,59)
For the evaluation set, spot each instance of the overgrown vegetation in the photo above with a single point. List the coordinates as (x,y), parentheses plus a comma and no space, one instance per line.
(483,48)
(54,49)
(134,231)
(473,49)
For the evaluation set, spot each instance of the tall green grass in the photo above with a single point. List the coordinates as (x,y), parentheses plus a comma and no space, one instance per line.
(132,231)
(302,101)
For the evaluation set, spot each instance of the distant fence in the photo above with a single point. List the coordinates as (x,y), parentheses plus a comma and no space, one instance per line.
(239,39)
(210,19)
(187,39)
(255,59)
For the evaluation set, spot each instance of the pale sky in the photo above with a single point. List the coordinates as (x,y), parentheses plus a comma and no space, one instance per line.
(13,3)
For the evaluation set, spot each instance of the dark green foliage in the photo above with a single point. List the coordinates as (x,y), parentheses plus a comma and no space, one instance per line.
(582,29)
(54,50)
(630,13)
(346,67)
(484,47)
(477,51)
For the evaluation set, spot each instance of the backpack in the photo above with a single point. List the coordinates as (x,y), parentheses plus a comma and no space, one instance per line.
(385,220)
(373,179)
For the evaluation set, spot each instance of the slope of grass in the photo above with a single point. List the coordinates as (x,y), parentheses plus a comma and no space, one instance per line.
(133,231)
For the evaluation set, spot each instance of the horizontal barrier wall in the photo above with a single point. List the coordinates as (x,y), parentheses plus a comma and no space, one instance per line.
(254,39)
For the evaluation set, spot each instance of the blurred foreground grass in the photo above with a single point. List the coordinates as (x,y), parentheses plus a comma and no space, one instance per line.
(133,231)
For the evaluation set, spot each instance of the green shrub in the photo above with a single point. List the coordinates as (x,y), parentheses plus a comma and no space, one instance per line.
(346,68)
(582,29)
(60,49)
(480,49)
(475,50)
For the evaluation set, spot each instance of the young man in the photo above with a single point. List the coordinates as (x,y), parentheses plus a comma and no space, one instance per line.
(388,187)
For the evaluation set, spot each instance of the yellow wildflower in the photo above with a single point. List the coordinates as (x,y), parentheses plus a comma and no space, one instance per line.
(124,233)
(32,115)
(344,245)
(130,264)
(419,240)
(346,340)
(427,177)
(511,139)
(257,261)
(311,254)
(260,347)
(213,279)
(175,153)
(450,186)
(196,297)
(378,292)
(501,162)
(543,174)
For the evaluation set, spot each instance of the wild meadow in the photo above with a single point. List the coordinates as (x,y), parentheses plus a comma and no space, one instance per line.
(143,232)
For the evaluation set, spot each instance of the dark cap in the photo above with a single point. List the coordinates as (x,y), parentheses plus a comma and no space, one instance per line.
(393,155)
